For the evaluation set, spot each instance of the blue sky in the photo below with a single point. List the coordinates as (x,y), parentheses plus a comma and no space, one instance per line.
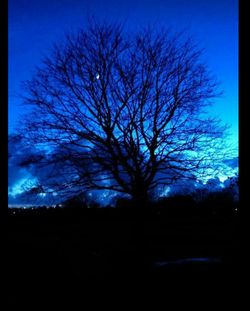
(35,25)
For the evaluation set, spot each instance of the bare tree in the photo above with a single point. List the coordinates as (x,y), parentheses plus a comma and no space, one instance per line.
(128,113)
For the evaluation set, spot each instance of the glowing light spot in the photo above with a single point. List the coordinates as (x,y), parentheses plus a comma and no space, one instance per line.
(223,178)
(97,76)
(42,195)
(165,192)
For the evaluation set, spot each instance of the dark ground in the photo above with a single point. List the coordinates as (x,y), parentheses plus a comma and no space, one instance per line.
(71,257)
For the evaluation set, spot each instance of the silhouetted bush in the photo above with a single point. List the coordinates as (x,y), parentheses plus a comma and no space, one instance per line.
(220,203)
(176,201)
(122,203)
(75,203)
(220,197)
(94,205)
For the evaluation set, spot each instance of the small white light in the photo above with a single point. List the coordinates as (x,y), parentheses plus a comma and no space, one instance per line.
(98,76)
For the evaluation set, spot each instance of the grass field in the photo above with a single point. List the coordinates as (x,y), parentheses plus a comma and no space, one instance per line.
(71,256)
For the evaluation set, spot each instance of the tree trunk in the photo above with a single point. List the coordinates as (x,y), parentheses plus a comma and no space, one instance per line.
(140,198)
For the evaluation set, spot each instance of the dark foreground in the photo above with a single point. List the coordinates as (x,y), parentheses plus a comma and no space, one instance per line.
(96,256)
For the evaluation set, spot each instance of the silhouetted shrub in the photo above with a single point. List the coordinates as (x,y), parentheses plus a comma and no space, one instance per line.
(94,205)
(75,203)
(124,203)
(176,201)
(223,197)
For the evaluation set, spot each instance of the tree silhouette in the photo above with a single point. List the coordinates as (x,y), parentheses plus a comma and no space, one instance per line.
(125,112)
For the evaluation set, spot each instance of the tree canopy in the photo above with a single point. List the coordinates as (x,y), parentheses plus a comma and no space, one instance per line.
(124,112)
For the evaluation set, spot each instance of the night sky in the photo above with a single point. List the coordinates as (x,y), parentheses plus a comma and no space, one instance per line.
(35,25)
